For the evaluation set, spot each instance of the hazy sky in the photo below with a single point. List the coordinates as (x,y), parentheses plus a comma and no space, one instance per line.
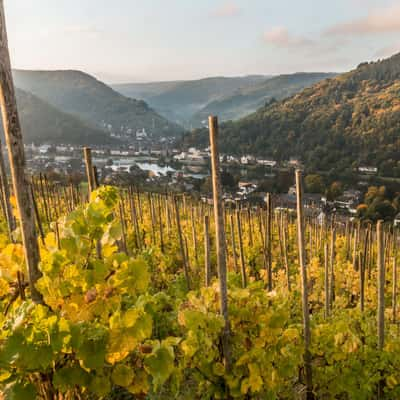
(143,40)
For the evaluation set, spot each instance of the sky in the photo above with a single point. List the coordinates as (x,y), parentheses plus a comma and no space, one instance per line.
(155,40)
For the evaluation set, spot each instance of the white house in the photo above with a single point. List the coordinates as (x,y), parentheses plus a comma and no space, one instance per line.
(141,134)
(44,148)
(268,163)
(245,160)
(368,170)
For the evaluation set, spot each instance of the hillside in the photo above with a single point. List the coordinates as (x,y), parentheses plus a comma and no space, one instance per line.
(82,95)
(336,124)
(179,101)
(43,123)
(248,99)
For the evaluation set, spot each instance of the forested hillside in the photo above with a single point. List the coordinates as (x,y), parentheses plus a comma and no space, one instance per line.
(84,96)
(43,123)
(336,124)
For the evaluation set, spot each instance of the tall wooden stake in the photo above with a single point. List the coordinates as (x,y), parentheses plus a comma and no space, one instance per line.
(87,152)
(268,238)
(381,285)
(16,154)
(220,237)
(182,244)
(394,279)
(304,287)
(207,258)
(6,194)
(326,279)
(241,251)
(381,294)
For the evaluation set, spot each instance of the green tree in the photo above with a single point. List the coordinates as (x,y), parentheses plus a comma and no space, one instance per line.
(314,183)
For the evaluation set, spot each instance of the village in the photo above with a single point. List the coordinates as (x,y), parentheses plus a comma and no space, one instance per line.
(160,164)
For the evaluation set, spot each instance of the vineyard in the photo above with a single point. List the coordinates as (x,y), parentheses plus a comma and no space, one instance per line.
(115,293)
(129,304)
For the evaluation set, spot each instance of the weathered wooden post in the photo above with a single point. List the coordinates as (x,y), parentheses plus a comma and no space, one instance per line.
(37,215)
(6,194)
(362,268)
(355,247)
(332,266)
(207,258)
(241,251)
(285,253)
(220,237)
(16,154)
(381,285)
(87,152)
(235,264)
(381,295)
(304,286)
(268,238)
(326,279)
(394,277)
(182,244)
(194,236)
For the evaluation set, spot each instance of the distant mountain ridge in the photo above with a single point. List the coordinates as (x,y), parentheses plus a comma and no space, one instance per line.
(334,125)
(180,100)
(89,99)
(190,102)
(248,99)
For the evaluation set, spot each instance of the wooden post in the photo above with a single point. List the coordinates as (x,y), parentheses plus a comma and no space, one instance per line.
(394,280)
(326,280)
(362,268)
(134,218)
(181,244)
(139,205)
(16,154)
(207,258)
(194,236)
(37,215)
(381,285)
(235,264)
(220,237)
(241,251)
(332,267)
(250,227)
(6,194)
(123,226)
(44,198)
(87,152)
(285,252)
(381,295)
(152,217)
(355,247)
(304,286)
(161,226)
(268,238)
(95,177)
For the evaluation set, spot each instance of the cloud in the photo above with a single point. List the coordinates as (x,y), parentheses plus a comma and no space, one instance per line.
(226,10)
(385,20)
(280,36)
